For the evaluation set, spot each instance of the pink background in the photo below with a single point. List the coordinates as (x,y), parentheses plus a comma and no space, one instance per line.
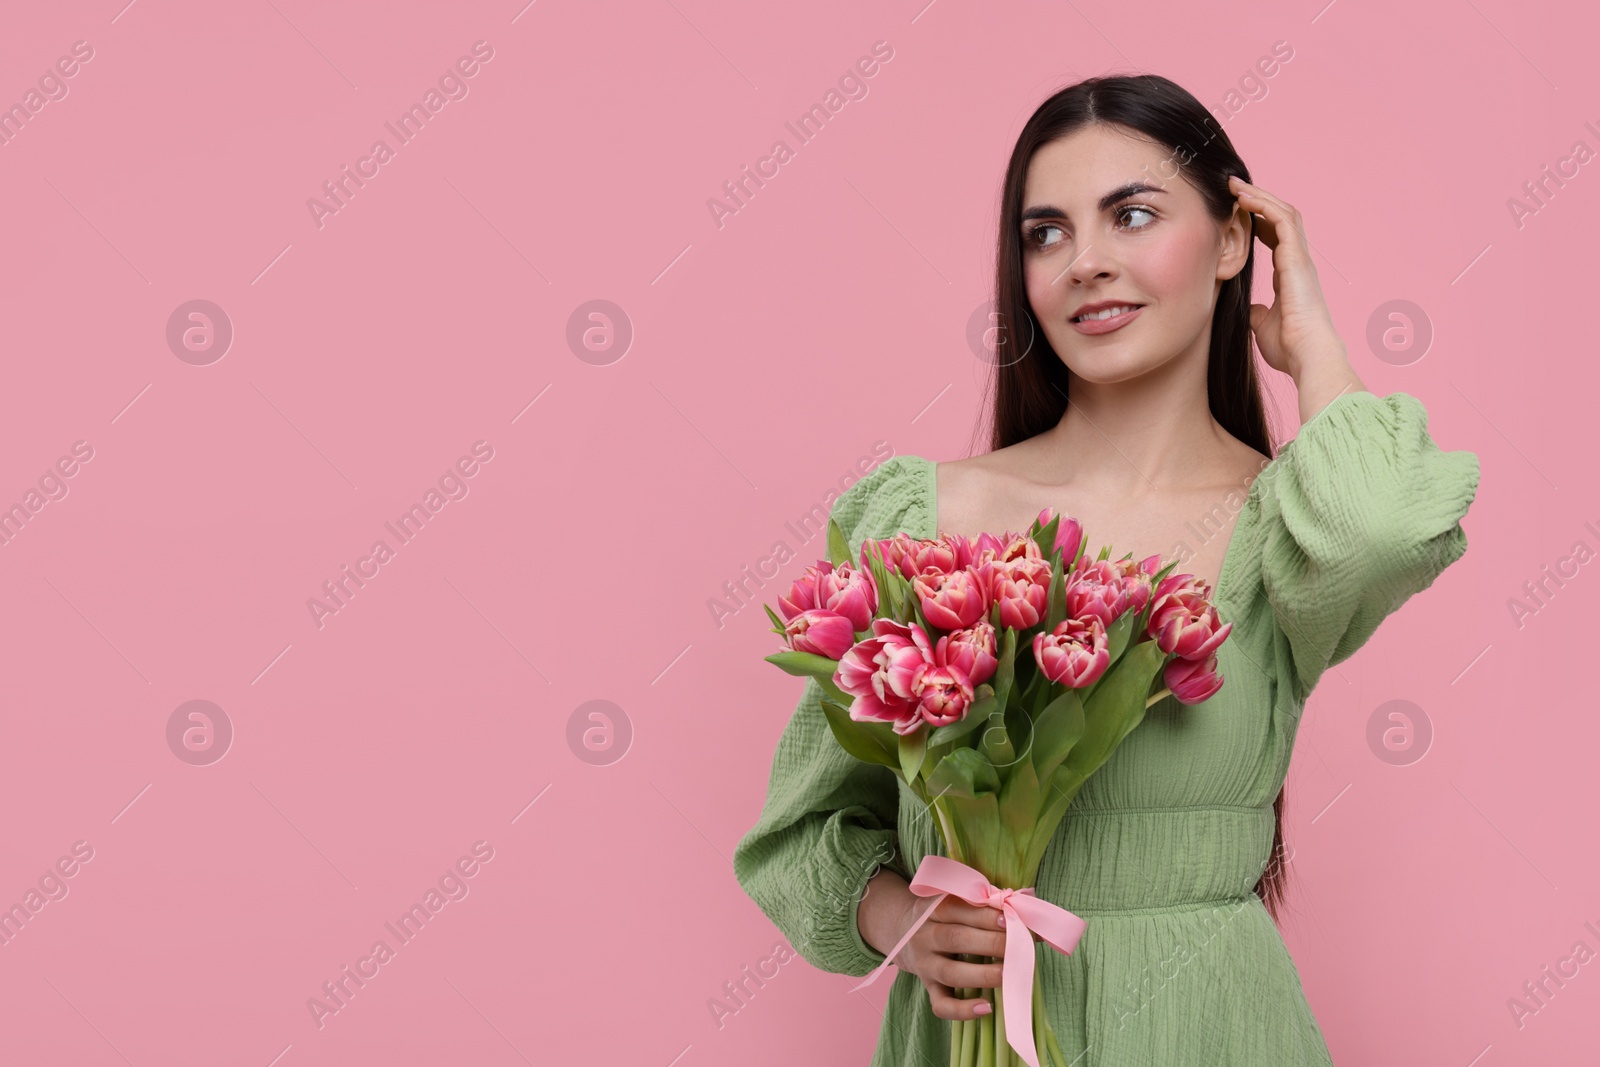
(768,355)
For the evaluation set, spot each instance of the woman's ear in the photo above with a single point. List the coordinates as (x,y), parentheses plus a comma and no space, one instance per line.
(1238,233)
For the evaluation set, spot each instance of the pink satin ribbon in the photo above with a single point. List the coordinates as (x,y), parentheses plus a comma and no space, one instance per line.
(941,876)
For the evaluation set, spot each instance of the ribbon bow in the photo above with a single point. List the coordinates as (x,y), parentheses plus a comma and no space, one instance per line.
(1026,914)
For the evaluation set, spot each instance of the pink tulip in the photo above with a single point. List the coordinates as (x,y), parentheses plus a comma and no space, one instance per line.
(1137,580)
(894,551)
(1075,654)
(843,589)
(898,676)
(911,556)
(985,547)
(879,671)
(944,693)
(951,601)
(1003,548)
(850,592)
(1097,588)
(1022,589)
(802,595)
(973,650)
(821,632)
(1069,535)
(1183,621)
(1192,680)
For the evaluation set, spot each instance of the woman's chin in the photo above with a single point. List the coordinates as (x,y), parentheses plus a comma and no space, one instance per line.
(1111,367)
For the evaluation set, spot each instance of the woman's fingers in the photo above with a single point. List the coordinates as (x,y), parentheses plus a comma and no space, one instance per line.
(1254,202)
(961,974)
(956,938)
(1280,221)
(955,910)
(946,1005)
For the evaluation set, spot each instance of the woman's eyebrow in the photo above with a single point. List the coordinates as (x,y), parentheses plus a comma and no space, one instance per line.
(1122,192)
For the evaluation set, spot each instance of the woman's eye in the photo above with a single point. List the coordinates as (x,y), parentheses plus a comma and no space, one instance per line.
(1143,210)
(1033,235)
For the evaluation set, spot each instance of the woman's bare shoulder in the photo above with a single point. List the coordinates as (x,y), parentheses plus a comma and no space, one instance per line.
(972,489)
(1247,462)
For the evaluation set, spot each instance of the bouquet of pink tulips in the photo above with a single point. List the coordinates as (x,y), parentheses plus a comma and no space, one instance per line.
(915,649)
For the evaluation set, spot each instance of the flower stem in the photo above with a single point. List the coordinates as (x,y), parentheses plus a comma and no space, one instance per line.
(1045,1042)
(1164,694)
(1040,1047)
(1055,1048)
(1038,1028)
(986,1040)
(952,844)
(969,1038)
(1002,1047)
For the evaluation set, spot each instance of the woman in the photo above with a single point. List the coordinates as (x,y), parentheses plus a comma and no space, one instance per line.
(1146,424)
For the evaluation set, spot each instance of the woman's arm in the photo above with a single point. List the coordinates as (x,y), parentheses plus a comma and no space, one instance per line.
(882,915)
(1361,510)
(827,826)
(1322,379)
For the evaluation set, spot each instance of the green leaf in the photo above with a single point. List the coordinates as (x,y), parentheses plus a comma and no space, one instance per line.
(1119,696)
(963,773)
(1117,634)
(917,616)
(838,547)
(983,838)
(1045,537)
(1019,804)
(1004,672)
(1057,609)
(811,665)
(891,588)
(1019,730)
(804,664)
(857,739)
(995,741)
(974,718)
(1057,797)
(1034,690)
(1064,785)
(1129,721)
(777,620)
(880,579)
(913,747)
(1057,728)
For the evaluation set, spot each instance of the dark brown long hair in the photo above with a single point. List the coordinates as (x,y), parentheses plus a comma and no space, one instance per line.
(1030,380)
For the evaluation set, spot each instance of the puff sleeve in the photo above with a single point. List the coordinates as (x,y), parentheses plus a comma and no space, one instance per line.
(829,820)
(1362,510)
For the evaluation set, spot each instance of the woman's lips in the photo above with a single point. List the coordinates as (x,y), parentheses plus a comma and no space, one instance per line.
(1099,326)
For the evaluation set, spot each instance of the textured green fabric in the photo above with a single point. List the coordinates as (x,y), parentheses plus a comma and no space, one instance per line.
(1181,963)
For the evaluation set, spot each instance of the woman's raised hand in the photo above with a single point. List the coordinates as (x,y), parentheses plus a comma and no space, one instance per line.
(1297,328)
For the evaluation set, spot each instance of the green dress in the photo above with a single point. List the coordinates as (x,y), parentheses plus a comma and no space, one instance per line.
(1159,853)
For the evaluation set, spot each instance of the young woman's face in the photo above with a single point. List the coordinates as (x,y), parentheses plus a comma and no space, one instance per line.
(1107,218)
